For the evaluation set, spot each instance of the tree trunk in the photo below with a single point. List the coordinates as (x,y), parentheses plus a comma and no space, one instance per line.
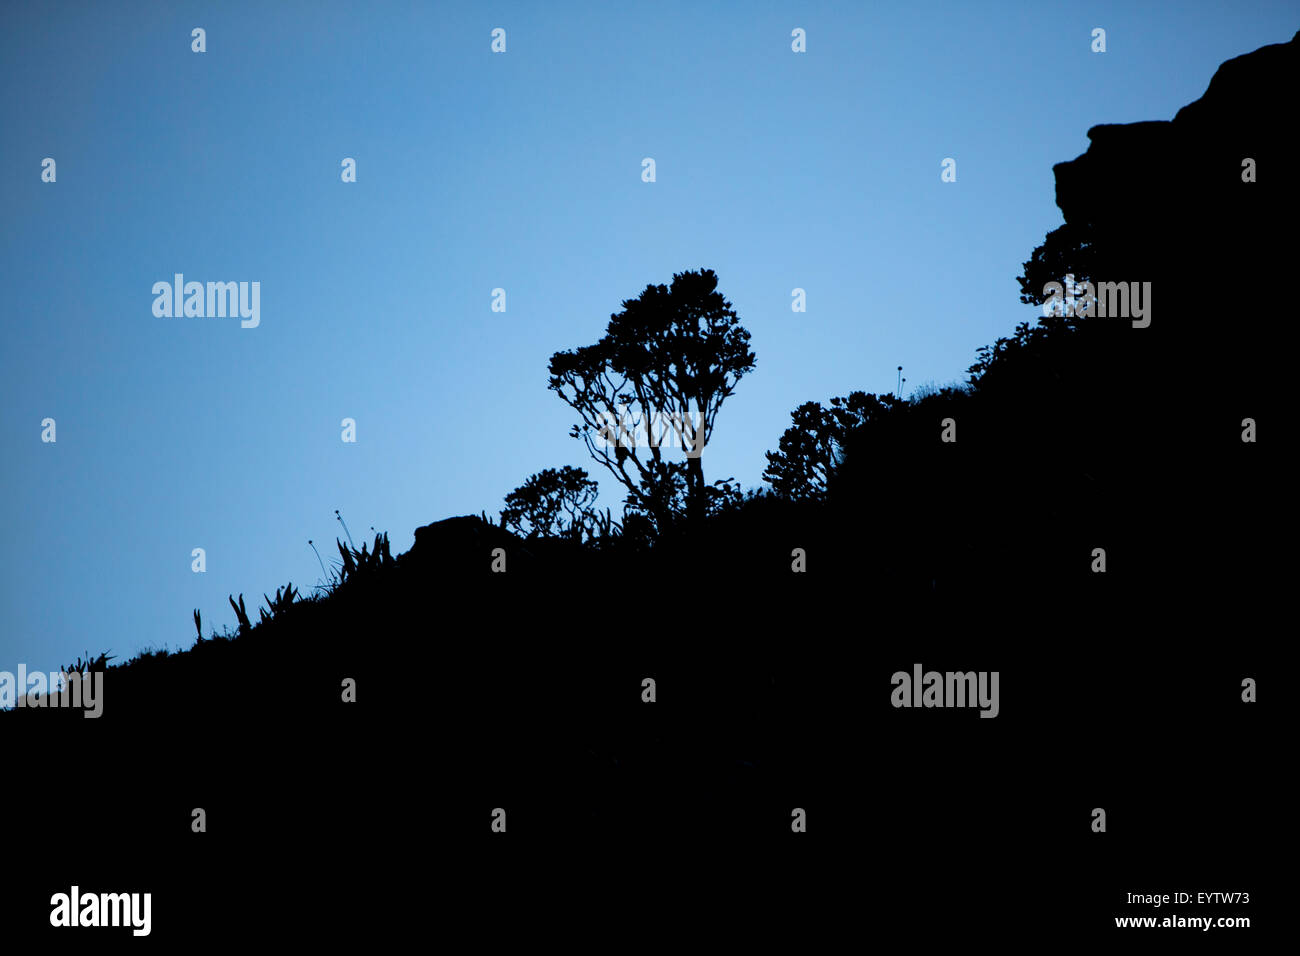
(695,490)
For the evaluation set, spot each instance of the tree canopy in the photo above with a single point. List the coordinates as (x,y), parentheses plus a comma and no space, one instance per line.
(551,503)
(657,378)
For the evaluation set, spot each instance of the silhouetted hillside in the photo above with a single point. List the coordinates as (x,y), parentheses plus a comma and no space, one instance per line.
(522,686)
(1075,434)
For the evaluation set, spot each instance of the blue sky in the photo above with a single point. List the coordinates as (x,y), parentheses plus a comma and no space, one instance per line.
(475,171)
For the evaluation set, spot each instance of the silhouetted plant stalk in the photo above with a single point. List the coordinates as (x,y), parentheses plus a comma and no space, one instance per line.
(345,528)
(318,558)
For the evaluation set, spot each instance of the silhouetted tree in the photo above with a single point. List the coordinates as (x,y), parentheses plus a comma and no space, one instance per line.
(1071,255)
(671,356)
(1067,250)
(552,503)
(811,447)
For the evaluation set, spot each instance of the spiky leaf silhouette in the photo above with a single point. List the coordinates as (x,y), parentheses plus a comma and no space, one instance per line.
(360,563)
(284,598)
(242,614)
(97,664)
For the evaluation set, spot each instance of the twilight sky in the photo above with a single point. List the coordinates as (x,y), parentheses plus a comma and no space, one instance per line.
(477,171)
